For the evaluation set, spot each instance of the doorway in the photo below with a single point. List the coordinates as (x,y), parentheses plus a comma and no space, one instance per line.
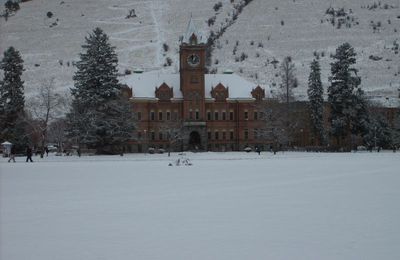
(194,141)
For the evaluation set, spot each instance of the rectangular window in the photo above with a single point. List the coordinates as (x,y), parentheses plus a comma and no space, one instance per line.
(209,135)
(197,115)
(216,135)
(231,116)
(175,116)
(223,115)
(208,115)
(231,136)
(168,115)
(153,136)
(190,114)
(255,134)
(255,115)
(246,134)
(246,115)
(216,115)
(152,116)
(160,136)
(223,135)
(139,116)
(160,115)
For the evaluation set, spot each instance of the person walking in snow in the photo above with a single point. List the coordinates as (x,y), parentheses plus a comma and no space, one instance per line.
(12,154)
(28,154)
(258,150)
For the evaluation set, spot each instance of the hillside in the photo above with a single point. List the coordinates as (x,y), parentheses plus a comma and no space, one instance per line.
(265,30)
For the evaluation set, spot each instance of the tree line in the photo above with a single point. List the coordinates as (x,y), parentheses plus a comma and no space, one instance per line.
(99,116)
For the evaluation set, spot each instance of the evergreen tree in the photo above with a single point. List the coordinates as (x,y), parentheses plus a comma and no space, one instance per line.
(316,101)
(344,94)
(12,100)
(100,118)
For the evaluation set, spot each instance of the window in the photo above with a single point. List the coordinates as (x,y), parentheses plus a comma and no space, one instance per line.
(197,114)
(209,115)
(255,133)
(231,116)
(152,115)
(139,135)
(223,135)
(216,115)
(160,115)
(216,135)
(246,134)
(152,135)
(223,115)
(231,136)
(160,135)
(190,114)
(255,115)
(246,115)
(139,116)
(175,116)
(168,115)
(209,135)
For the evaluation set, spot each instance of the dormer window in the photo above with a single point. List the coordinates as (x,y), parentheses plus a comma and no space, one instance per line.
(220,93)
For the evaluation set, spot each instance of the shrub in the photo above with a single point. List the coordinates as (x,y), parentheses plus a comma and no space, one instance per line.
(165,47)
(217,6)
(49,14)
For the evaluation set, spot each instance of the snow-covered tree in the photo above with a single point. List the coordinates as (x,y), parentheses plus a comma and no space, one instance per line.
(344,95)
(12,101)
(288,77)
(100,117)
(316,101)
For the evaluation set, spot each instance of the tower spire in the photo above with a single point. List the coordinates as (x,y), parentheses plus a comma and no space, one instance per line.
(191,31)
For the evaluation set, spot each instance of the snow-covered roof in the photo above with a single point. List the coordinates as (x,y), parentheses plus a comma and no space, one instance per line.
(143,85)
(191,29)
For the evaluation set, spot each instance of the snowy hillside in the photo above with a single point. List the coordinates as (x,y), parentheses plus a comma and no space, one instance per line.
(266,30)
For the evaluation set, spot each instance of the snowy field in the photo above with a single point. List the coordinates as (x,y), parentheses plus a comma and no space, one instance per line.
(225,206)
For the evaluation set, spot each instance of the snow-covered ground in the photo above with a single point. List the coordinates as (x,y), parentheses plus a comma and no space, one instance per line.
(225,206)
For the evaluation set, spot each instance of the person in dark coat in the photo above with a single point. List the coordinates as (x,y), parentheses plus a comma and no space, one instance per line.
(12,154)
(28,154)
(258,150)
(47,151)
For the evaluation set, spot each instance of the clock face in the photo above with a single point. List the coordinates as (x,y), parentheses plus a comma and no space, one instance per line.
(193,60)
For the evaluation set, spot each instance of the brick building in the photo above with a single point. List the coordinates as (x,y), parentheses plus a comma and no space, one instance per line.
(194,110)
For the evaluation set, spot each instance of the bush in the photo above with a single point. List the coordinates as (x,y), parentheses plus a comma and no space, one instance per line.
(11,6)
(217,6)
(49,14)
(165,47)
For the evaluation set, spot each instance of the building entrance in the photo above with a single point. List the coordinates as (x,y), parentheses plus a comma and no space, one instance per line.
(194,141)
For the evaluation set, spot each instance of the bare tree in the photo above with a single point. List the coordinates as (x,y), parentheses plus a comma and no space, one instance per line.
(45,107)
(56,133)
(288,77)
(174,133)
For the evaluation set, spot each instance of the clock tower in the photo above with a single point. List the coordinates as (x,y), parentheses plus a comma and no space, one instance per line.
(192,80)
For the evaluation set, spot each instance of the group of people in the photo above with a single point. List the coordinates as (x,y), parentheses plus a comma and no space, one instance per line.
(28,153)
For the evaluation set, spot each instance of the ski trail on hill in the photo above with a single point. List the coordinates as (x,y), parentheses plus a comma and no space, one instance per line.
(156,8)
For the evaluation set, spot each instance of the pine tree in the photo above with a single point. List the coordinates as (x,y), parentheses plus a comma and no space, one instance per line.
(12,100)
(100,118)
(343,94)
(315,95)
